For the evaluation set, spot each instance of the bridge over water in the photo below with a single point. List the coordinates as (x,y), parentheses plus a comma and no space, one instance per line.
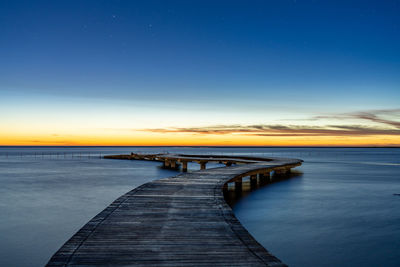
(177,221)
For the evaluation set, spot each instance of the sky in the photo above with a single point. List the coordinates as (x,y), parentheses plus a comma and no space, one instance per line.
(263,73)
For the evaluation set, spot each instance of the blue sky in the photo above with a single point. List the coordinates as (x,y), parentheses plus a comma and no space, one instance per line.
(248,61)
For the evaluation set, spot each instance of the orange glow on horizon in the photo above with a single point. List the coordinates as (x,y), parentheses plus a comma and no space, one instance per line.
(185,139)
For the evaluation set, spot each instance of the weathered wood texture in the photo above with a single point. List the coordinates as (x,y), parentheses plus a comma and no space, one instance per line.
(176,221)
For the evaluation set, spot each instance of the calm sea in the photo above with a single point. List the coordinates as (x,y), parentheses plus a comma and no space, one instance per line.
(340,209)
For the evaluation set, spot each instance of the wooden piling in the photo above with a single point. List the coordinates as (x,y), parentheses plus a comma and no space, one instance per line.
(253,181)
(238,185)
(173,164)
(166,163)
(203,165)
(184,166)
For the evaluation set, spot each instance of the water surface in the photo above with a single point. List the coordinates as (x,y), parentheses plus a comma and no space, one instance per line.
(340,211)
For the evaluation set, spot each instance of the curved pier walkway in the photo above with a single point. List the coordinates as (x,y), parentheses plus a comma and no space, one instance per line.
(176,221)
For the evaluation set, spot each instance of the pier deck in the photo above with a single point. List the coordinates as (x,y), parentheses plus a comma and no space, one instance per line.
(177,221)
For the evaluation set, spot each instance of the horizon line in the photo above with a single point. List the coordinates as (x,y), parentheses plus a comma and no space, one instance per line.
(205,146)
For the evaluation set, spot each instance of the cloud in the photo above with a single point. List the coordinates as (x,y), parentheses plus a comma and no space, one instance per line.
(389,127)
(375,118)
(373,115)
(282,130)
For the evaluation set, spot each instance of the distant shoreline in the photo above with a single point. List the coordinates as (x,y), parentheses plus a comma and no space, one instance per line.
(11,146)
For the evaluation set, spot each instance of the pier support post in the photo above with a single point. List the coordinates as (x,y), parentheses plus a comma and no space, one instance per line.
(253,181)
(203,165)
(184,166)
(166,163)
(238,185)
(173,164)
(280,171)
(264,178)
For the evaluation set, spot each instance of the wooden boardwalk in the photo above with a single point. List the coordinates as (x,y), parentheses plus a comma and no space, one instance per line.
(177,221)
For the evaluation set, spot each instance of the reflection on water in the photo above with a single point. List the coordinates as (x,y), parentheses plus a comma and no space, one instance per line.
(234,193)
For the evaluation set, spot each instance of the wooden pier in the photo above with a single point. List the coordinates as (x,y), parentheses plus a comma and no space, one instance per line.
(177,221)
